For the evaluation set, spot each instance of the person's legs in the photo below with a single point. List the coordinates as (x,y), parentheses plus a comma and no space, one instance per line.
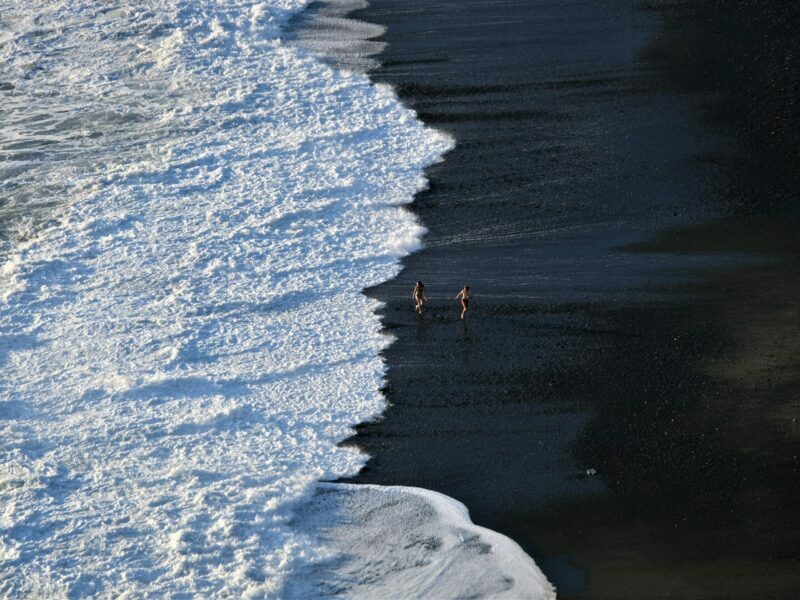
(463,309)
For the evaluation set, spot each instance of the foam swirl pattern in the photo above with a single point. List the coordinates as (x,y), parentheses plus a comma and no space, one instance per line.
(182,340)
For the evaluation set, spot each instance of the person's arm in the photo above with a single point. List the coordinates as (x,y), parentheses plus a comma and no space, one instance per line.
(459,294)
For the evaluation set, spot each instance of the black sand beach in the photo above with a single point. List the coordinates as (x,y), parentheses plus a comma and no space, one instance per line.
(623,201)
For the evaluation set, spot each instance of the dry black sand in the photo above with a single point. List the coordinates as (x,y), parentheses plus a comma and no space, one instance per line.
(623,199)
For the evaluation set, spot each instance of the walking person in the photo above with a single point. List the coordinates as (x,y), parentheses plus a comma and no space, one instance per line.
(465,296)
(419,297)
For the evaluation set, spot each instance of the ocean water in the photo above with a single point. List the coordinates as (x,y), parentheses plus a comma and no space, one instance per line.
(190,207)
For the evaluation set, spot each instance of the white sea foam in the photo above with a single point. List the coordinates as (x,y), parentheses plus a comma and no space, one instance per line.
(421,545)
(182,341)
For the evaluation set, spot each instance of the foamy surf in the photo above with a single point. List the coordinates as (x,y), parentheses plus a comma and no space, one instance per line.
(421,544)
(182,336)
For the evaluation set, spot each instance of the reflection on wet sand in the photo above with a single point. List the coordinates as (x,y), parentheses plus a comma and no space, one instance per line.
(619,201)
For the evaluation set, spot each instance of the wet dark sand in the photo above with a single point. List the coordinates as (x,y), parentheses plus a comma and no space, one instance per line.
(623,198)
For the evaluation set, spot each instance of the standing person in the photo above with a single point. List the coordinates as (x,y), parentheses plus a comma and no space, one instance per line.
(465,296)
(419,296)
